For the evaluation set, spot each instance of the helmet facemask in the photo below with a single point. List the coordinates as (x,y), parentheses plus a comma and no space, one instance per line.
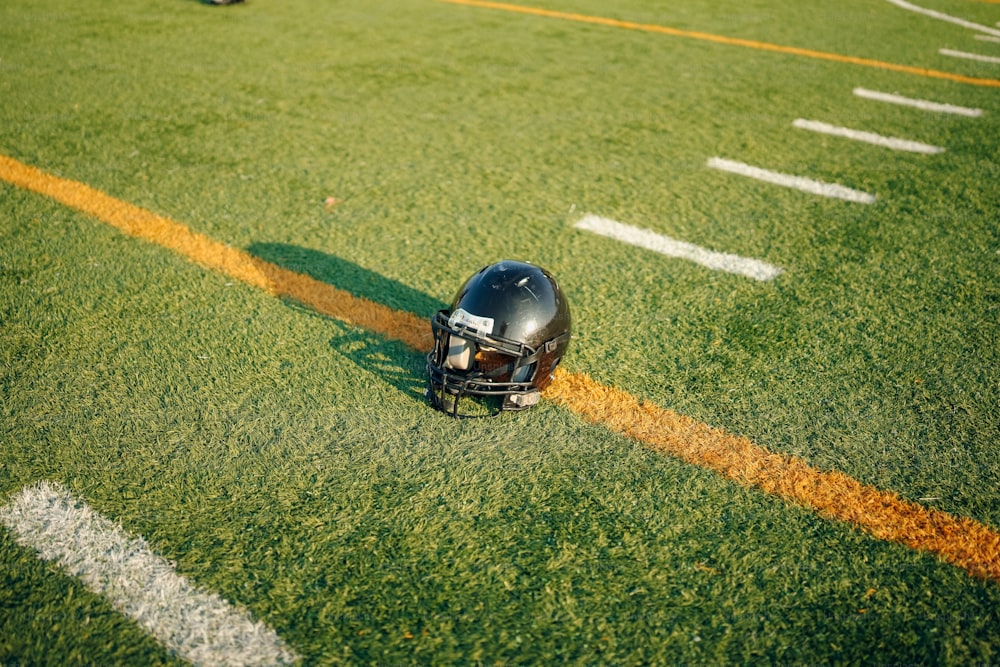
(472,375)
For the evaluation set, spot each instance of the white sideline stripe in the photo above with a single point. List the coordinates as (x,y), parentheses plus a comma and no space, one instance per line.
(796,182)
(199,627)
(917,104)
(644,238)
(946,17)
(867,137)
(969,56)
(988,38)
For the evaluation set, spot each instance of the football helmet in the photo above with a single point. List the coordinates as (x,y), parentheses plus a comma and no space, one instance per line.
(498,344)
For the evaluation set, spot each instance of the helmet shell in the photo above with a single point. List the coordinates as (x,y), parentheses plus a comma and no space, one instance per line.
(523,301)
(506,331)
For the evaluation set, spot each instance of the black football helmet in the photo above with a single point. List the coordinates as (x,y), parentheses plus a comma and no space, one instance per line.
(498,344)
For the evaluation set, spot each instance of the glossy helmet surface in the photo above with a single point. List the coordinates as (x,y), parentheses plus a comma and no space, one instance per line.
(498,344)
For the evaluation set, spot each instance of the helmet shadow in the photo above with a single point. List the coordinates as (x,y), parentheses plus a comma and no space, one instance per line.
(392,360)
(349,277)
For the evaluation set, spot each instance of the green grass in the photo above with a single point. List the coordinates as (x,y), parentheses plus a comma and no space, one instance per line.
(290,463)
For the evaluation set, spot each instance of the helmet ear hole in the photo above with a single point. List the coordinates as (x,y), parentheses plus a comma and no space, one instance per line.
(460,352)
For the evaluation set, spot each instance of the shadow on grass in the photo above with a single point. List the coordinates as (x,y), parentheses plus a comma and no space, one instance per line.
(399,364)
(390,360)
(349,277)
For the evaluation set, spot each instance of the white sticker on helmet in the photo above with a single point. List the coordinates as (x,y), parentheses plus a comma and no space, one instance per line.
(482,325)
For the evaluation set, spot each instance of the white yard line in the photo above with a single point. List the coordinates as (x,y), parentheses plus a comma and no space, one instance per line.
(200,627)
(644,238)
(988,38)
(893,143)
(803,184)
(917,104)
(946,17)
(969,56)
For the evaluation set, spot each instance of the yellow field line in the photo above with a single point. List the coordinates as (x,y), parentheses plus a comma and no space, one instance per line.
(961,541)
(138,222)
(730,41)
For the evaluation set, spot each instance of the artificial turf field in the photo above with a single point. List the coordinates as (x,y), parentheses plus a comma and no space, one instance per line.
(286,459)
